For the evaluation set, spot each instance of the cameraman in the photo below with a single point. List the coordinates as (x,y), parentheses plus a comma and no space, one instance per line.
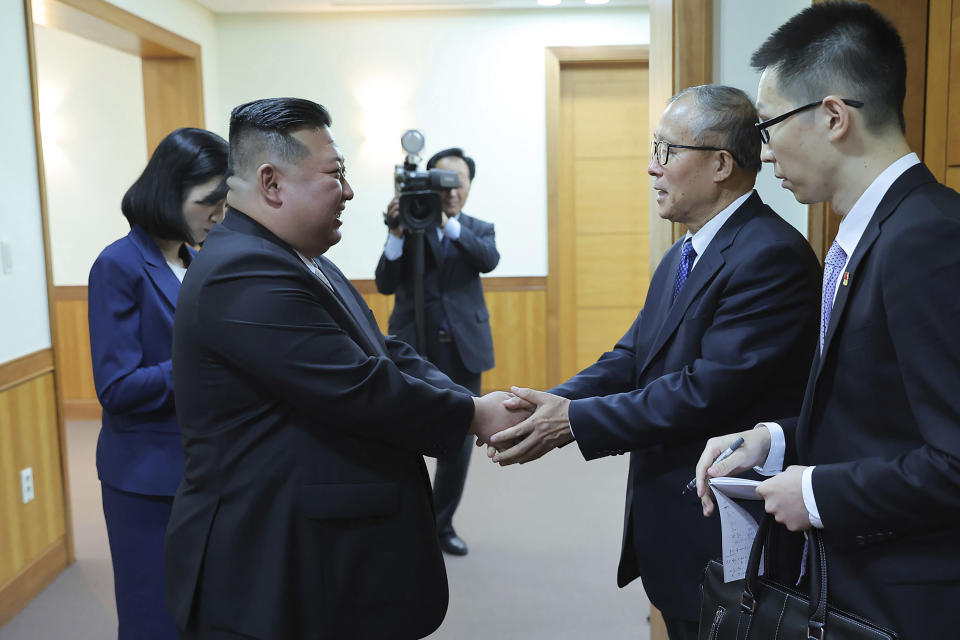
(457,323)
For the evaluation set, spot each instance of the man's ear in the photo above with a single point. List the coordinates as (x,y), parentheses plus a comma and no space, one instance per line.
(267,185)
(723,166)
(839,118)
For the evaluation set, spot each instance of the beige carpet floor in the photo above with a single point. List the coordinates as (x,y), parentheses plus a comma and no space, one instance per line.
(544,540)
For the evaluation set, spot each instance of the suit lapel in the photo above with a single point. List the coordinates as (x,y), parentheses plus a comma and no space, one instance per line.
(703,273)
(344,299)
(706,268)
(910,180)
(156,265)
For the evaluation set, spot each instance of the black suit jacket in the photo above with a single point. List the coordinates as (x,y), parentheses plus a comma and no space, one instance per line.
(451,286)
(733,348)
(881,417)
(305,507)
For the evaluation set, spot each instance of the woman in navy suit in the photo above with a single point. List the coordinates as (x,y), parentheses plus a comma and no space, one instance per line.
(132,295)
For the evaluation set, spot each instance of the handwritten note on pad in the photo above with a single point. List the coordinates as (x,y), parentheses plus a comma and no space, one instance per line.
(737,526)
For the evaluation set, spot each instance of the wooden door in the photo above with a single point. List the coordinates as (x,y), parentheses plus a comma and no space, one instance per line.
(602,224)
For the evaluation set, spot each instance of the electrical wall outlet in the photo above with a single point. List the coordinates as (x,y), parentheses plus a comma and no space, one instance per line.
(26,484)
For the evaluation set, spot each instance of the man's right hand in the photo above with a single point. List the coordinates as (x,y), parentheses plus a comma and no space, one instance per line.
(392,213)
(491,416)
(753,452)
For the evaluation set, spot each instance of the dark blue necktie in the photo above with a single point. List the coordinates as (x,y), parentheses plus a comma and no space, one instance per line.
(687,256)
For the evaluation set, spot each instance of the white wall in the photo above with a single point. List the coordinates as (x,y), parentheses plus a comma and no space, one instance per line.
(195,22)
(468,79)
(94,145)
(739,27)
(24,319)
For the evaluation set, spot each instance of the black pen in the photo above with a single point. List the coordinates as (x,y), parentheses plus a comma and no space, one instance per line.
(723,456)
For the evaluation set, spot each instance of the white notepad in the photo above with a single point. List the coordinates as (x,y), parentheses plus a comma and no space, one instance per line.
(737,526)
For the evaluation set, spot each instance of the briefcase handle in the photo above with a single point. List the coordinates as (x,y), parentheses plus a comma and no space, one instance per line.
(818,578)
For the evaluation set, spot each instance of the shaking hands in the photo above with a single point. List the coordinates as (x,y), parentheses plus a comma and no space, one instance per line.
(521,426)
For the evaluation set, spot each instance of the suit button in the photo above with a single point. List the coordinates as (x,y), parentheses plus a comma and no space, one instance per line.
(861,540)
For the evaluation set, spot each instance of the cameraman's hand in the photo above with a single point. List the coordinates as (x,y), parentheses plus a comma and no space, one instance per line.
(393,212)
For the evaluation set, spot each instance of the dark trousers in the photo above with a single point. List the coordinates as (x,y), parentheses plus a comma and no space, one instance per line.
(678,629)
(136,525)
(451,472)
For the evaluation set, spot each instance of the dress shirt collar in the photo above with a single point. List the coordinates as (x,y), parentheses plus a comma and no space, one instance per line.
(314,269)
(855,222)
(701,239)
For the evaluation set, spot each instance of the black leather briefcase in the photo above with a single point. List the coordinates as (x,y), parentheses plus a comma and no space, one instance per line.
(761,609)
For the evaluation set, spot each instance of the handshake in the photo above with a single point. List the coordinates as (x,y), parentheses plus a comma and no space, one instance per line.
(520,426)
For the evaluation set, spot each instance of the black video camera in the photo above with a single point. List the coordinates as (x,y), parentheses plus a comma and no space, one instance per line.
(419,191)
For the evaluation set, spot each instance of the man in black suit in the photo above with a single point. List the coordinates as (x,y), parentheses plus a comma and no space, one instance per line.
(877,440)
(457,323)
(725,336)
(304,511)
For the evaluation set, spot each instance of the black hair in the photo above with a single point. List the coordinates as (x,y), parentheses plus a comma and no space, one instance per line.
(848,49)
(265,126)
(726,118)
(453,152)
(185,158)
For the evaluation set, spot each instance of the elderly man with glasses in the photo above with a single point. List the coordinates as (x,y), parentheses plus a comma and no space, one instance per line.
(726,335)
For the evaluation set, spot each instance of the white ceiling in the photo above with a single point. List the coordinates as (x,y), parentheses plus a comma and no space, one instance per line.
(315,6)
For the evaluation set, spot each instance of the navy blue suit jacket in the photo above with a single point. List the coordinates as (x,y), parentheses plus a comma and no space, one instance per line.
(305,509)
(451,287)
(132,295)
(881,417)
(733,348)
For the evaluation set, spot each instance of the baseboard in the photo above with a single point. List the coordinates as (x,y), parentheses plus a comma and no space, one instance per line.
(81,409)
(32,580)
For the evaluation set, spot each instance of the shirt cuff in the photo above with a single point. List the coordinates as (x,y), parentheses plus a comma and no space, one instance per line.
(452,229)
(394,247)
(778,444)
(808,500)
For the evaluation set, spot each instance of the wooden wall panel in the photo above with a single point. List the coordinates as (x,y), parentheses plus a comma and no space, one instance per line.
(953,124)
(518,322)
(32,365)
(73,350)
(29,437)
(613,271)
(518,318)
(938,75)
(172,96)
(953,178)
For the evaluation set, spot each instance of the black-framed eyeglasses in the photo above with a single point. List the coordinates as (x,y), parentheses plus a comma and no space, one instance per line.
(762,126)
(660,149)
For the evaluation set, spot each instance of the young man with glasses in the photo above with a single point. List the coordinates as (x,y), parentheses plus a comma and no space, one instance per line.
(726,333)
(876,446)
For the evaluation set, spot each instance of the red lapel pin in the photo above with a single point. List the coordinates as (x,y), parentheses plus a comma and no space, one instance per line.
(846,278)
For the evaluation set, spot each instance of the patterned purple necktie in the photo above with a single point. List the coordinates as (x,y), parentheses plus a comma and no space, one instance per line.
(832,266)
(687,256)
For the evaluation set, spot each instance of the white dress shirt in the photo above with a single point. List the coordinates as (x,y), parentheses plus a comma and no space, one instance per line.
(701,239)
(178,270)
(314,269)
(848,236)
